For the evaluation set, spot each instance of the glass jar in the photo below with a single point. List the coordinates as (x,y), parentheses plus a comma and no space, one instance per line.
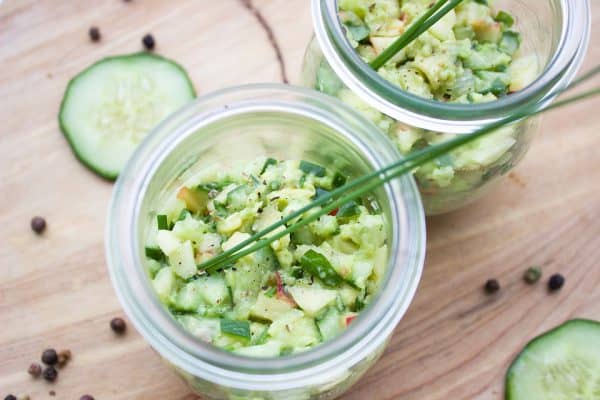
(241,124)
(555,31)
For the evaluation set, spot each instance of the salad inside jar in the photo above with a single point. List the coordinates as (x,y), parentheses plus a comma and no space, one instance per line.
(472,55)
(300,291)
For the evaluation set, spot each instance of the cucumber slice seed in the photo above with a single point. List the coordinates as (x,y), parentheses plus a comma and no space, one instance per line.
(562,364)
(109,107)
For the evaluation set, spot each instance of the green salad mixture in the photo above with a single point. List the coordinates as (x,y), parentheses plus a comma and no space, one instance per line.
(472,55)
(300,291)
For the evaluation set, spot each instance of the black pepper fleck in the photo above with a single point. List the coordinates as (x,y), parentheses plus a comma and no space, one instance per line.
(49,357)
(118,326)
(556,282)
(10,397)
(148,42)
(50,374)
(86,397)
(491,286)
(38,225)
(94,33)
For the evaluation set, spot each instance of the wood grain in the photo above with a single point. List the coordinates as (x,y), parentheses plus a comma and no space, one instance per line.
(454,343)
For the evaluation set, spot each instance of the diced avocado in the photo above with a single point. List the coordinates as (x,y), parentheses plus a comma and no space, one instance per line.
(312,300)
(182,260)
(331,324)
(269,308)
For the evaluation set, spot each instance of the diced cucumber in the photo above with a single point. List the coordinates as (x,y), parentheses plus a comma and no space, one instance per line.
(204,328)
(213,290)
(237,198)
(510,42)
(311,168)
(295,330)
(312,300)
(168,242)
(562,364)
(189,297)
(110,106)
(272,348)
(164,283)
(182,260)
(331,325)
(235,328)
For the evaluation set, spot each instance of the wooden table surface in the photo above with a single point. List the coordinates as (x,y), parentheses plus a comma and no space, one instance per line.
(454,343)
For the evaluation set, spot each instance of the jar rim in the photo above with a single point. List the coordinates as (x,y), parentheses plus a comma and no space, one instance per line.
(204,360)
(434,115)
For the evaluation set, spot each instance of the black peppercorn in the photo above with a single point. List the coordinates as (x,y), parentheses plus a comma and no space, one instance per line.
(556,282)
(38,224)
(86,397)
(118,325)
(35,370)
(95,34)
(491,286)
(49,357)
(50,374)
(148,42)
(10,397)
(532,275)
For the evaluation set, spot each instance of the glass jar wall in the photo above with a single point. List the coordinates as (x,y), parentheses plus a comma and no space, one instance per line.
(554,35)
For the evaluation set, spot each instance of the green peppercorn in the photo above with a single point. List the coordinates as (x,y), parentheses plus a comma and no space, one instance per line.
(532,275)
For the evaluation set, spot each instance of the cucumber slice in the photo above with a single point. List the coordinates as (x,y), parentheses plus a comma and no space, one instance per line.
(110,106)
(562,364)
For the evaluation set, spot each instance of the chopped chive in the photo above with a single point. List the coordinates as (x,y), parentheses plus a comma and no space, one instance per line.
(183,214)
(236,328)
(162,222)
(270,161)
(254,179)
(286,351)
(339,179)
(302,181)
(320,193)
(505,18)
(271,292)
(318,265)
(262,338)
(313,169)
(154,253)
(350,209)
